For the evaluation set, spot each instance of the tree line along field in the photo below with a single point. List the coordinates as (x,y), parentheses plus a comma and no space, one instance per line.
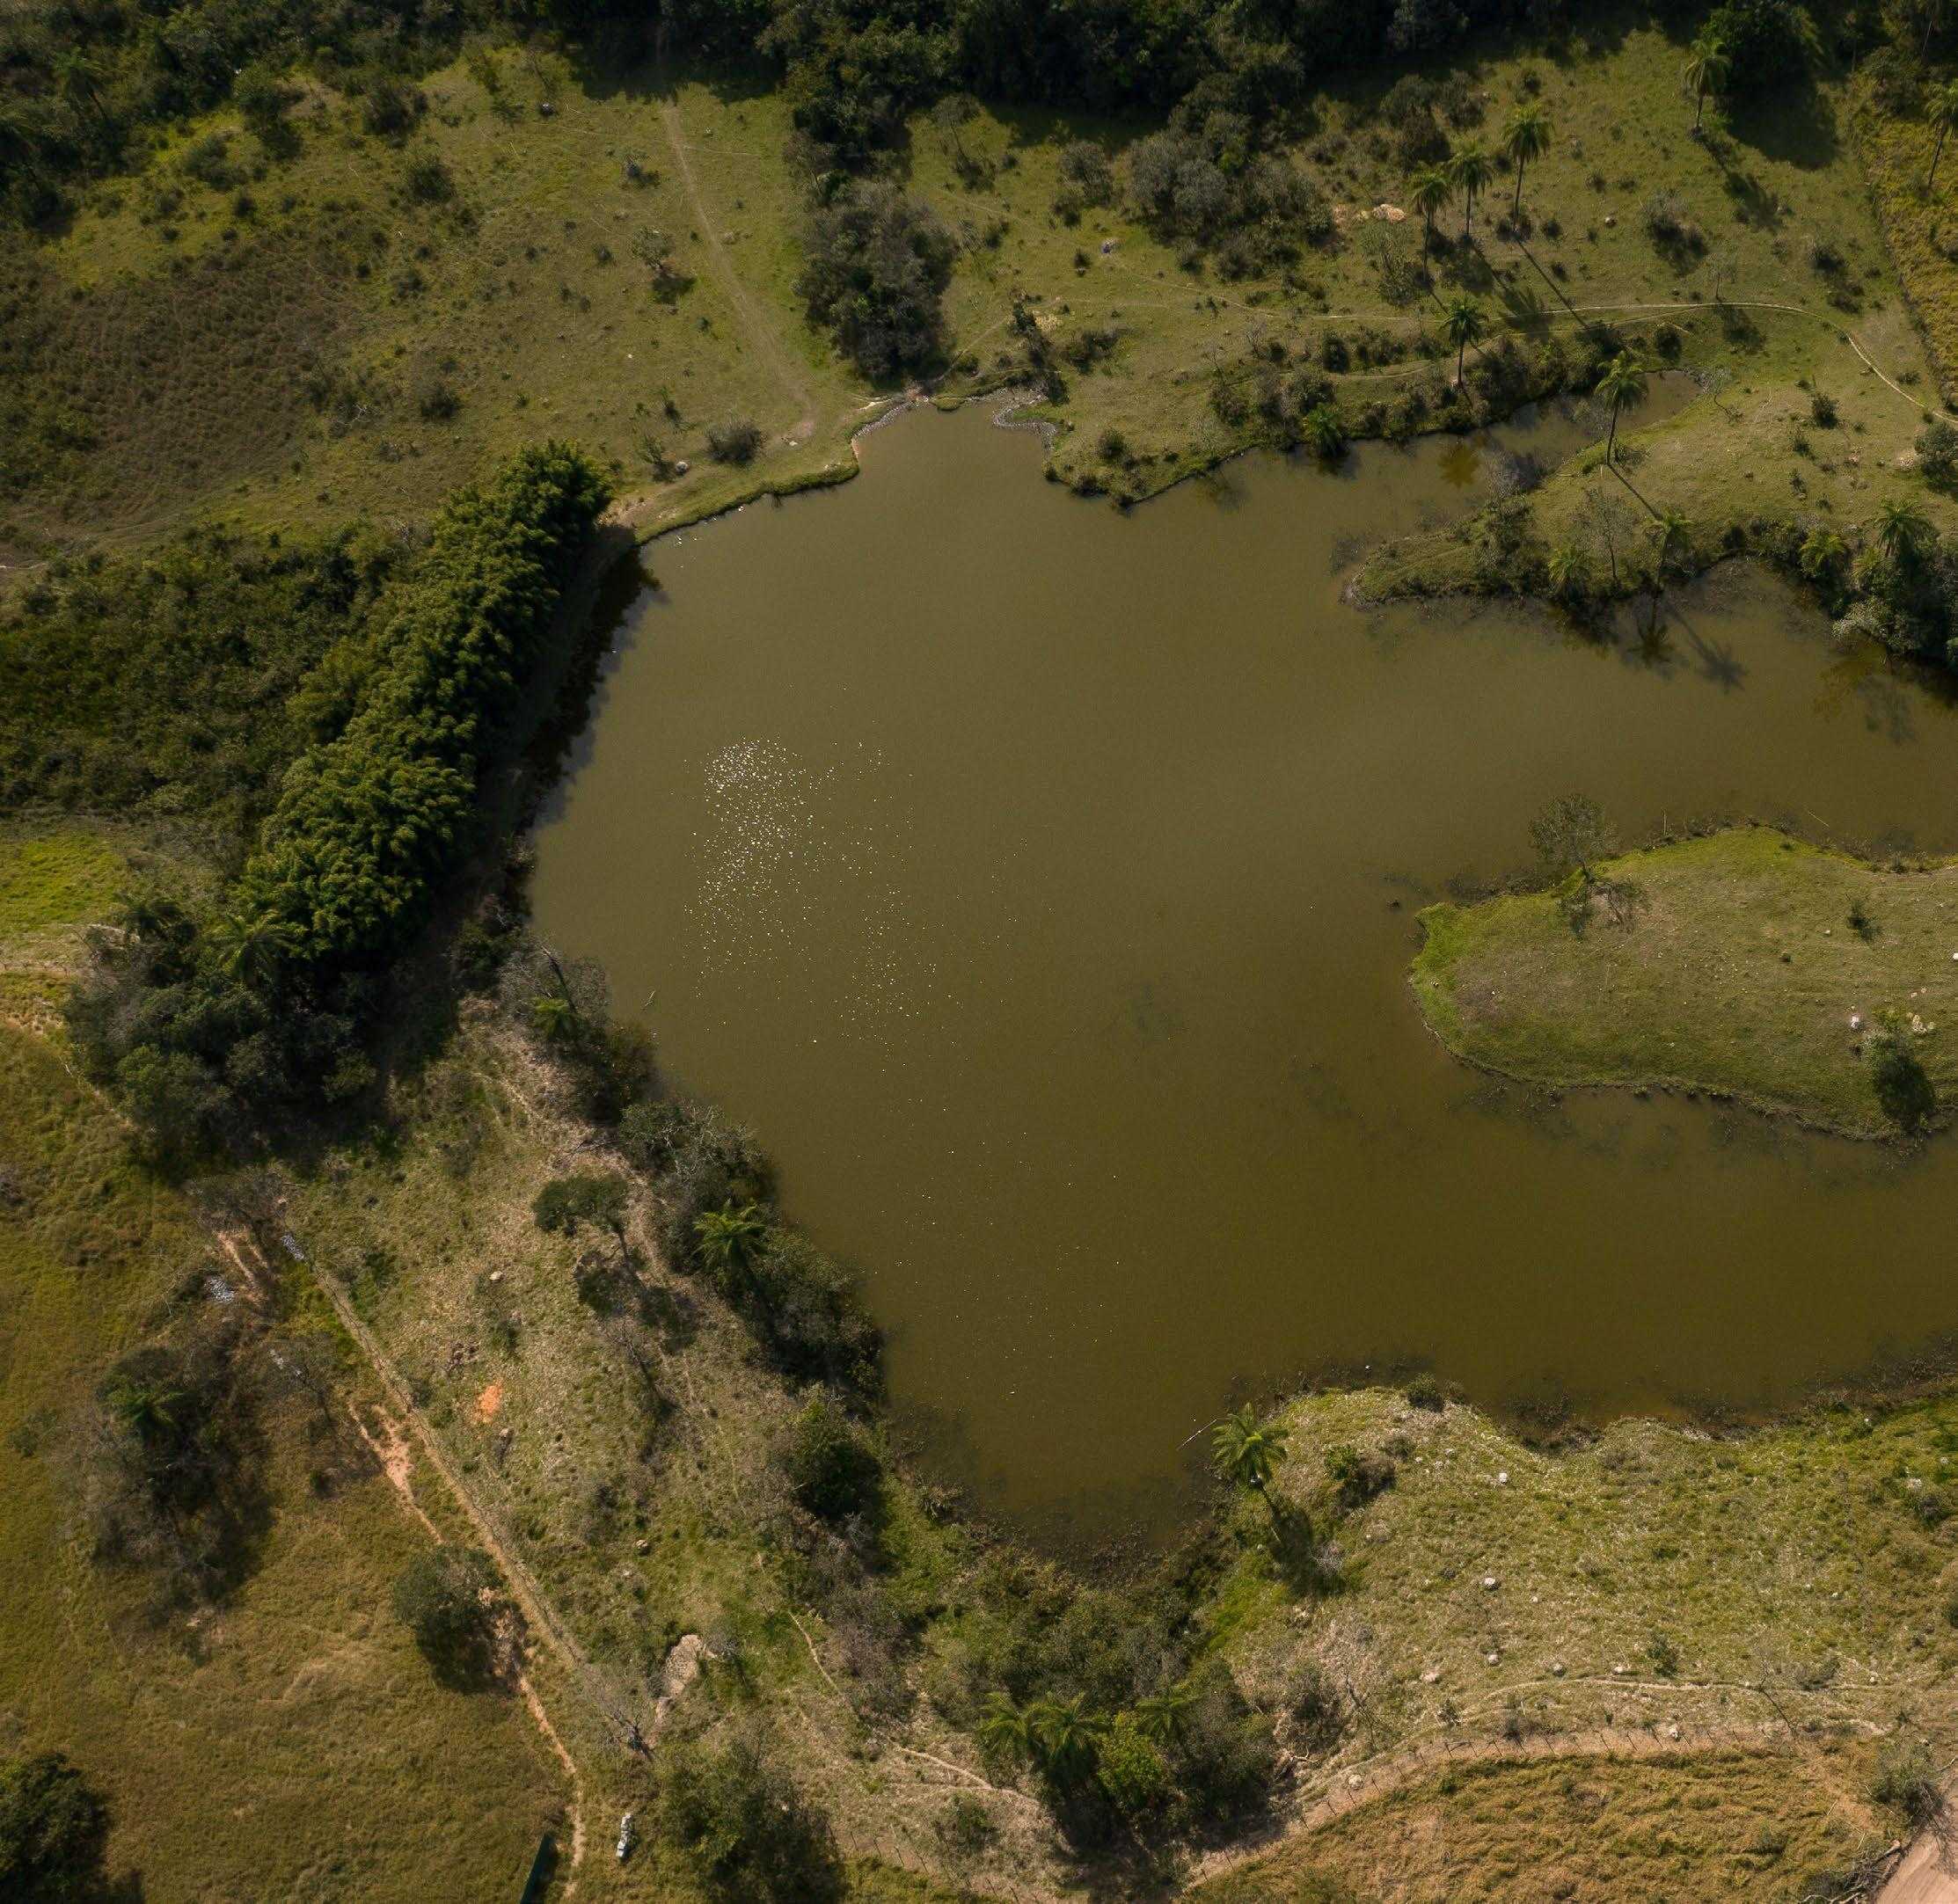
(350,322)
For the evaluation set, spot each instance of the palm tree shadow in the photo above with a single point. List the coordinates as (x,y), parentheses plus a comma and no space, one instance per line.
(1300,1561)
(1712,659)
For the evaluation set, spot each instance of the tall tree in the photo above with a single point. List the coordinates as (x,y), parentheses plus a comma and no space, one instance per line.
(1462,323)
(1428,191)
(1707,66)
(1245,1452)
(1902,531)
(1942,113)
(1470,169)
(1623,385)
(1525,137)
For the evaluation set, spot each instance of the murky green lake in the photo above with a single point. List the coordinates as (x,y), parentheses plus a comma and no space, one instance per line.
(1039,882)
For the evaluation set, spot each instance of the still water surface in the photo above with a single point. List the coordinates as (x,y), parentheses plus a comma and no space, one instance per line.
(1039,882)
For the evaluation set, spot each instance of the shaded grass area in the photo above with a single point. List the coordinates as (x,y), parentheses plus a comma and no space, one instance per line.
(1920,226)
(1684,1830)
(289,1742)
(1738,966)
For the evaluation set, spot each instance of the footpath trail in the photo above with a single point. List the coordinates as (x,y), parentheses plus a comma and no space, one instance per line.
(391,1449)
(753,321)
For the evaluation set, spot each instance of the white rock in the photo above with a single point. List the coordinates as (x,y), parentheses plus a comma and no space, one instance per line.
(1488,1583)
(1492,1657)
(1621,1669)
(1502,1479)
(1672,1732)
(1856,1021)
(1432,1676)
(1556,1668)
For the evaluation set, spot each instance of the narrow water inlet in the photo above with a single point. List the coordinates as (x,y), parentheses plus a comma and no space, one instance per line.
(1039,882)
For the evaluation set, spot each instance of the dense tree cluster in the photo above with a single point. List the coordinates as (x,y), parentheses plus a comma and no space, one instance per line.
(211,1025)
(878,262)
(366,821)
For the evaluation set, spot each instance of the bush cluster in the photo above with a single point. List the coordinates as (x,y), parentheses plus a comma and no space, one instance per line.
(877,264)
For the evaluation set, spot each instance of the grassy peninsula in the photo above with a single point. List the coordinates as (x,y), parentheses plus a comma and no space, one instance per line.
(1745,964)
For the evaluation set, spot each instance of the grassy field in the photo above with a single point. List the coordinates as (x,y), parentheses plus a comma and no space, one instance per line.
(289,1742)
(1738,970)
(358,325)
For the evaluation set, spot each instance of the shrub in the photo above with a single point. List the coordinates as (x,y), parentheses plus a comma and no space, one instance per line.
(749,1835)
(832,1473)
(1358,1477)
(965,1827)
(1904,1088)
(446,1599)
(53,1830)
(1906,1782)
(734,441)
(1938,453)
(1131,1770)
(1084,168)
(1425,1391)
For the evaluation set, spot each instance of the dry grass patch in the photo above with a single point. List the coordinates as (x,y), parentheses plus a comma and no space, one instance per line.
(1669,1830)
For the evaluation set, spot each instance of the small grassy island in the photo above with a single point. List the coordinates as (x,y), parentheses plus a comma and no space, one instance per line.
(1747,964)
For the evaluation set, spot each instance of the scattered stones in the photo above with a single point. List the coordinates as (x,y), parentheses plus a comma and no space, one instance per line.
(1502,1479)
(1856,1021)
(1672,1731)
(1620,1670)
(1556,1668)
(496,1275)
(1489,1583)
(1492,1657)
(1432,1676)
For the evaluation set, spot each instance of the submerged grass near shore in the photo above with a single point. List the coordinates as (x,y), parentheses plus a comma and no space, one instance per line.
(1746,964)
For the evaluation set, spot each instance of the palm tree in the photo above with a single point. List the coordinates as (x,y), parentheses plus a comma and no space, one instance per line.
(730,1241)
(254,948)
(1324,431)
(1245,1454)
(1822,555)
(1525,137)
(1160,1718)
(77,77)
(1005,1728)
(1565,567)
(147,1409)
(1428,191)
(1065,1733)
(1901,531)
(1623,384)
(1671,531)
(554,1018)
(1707,69)
(1463,325)
(1943,115)
(1470,170)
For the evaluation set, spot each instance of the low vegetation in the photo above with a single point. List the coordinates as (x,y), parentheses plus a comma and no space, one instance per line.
(1745,964)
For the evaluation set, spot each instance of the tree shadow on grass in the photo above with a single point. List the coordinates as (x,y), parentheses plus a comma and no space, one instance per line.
(1795,126)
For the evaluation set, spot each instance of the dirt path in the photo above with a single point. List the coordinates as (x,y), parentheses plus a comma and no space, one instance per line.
(754,322)
(389,1449)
